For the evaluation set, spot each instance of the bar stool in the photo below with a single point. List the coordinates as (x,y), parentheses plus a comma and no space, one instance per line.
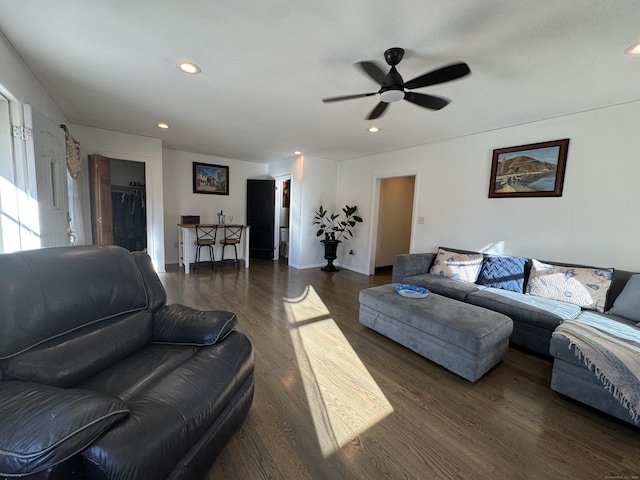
(232,236)
(205,237)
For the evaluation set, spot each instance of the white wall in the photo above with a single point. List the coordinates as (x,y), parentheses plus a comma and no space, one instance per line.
(595,222)
(313,183)
(179,198)
(17,80)
(124,146)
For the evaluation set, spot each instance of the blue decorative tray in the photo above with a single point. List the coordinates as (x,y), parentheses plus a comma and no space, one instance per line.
(412,291)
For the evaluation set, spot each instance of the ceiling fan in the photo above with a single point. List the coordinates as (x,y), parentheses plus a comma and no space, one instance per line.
(393,88)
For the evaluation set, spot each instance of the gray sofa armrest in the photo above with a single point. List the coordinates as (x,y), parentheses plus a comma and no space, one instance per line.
(179,324)
(411,264)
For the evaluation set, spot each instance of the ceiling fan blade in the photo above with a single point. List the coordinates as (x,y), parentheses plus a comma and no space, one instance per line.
(347,97)
(440,75)
(374,72)
(426,101)
(378,111)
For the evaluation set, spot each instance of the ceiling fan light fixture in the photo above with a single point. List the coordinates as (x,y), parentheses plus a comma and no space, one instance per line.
(189,67)
(633,50)
(391,96)
(297,152)
(163,125)
(373,129)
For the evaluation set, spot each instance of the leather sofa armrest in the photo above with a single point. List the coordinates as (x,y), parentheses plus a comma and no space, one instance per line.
(411,264)
(179,324)
(42,426)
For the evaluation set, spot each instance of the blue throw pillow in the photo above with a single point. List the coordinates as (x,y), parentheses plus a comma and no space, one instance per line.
(506,273)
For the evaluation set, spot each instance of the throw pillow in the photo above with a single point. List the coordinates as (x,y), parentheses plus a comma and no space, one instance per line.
(585,287)
(506,273)
(459,266)
(627,304)
(43,426)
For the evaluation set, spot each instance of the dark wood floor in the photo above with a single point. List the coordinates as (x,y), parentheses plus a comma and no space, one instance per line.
(335,400)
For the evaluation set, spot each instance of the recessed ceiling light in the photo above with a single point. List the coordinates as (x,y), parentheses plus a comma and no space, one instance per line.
(374,129)
(633,49)
(297,152)
(163,125)
(189,67)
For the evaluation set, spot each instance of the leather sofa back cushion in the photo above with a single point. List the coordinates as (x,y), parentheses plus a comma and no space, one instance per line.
(156,294)
(66,361)
(53,291)
(34,439)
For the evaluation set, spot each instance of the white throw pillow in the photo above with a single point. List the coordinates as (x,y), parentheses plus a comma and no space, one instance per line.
(585,287)
(459,266)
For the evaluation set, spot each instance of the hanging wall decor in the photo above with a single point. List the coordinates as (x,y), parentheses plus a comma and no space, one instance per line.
(210,179)
(535,170)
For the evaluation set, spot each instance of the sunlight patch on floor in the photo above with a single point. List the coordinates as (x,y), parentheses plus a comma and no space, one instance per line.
(343,398)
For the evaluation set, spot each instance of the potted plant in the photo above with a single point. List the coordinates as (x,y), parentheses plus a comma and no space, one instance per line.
(334,226)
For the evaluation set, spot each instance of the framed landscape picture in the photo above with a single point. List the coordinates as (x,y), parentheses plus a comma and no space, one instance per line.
(535,170)
(210,179)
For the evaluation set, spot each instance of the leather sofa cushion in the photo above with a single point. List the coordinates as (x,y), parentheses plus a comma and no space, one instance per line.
(97,283)
(43,426)
(173,412)
(184,325)
(63,362)
(156,294)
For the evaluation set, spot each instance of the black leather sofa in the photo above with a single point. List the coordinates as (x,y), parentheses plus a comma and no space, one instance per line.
(100,379)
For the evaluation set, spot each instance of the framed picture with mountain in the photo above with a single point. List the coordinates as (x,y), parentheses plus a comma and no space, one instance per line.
(535,170)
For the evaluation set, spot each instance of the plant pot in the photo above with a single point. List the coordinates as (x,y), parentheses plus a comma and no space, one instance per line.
(330,254)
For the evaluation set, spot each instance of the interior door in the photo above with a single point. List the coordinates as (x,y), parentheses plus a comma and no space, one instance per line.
(51,181)
(100,183)
(394,219)
(261,205)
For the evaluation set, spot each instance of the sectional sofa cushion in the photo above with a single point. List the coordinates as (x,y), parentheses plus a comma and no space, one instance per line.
(627,305)
(540,311)
(506,273)
(459,266)
(585,287)
(35,438)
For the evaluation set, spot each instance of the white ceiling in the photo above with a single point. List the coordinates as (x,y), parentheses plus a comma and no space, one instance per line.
(266,65)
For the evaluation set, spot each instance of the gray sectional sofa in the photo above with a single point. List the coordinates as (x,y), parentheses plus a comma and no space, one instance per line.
(554,307)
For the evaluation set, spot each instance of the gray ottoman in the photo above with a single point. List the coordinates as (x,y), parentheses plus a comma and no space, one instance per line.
(463,338)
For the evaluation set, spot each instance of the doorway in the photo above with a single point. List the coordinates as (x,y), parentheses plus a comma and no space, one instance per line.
(283,218)
(119,204)
(394,220)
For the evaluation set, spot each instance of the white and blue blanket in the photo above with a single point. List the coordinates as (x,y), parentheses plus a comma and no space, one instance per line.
(612,350)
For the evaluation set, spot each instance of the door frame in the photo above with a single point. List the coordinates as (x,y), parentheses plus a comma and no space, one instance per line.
(153,203)
(276,221)
(375,212)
